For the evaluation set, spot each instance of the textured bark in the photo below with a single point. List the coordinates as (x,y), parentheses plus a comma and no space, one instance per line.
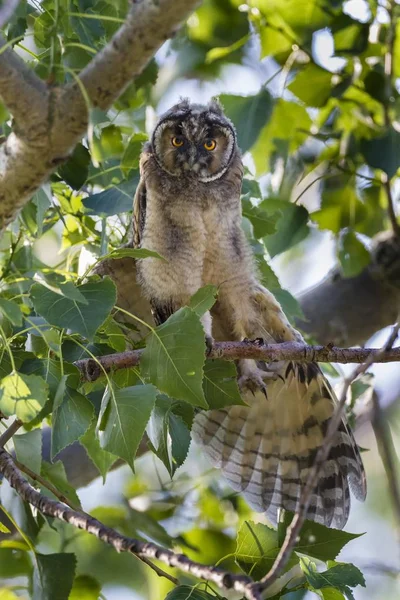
(49,121)
(93,369)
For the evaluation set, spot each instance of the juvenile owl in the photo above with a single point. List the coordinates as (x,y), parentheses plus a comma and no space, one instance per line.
(187,208)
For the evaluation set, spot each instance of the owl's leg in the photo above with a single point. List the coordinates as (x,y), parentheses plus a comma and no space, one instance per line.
(257,314)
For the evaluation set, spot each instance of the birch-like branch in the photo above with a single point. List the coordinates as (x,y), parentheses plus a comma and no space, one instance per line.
(121,543)
(49,121)
(92,369)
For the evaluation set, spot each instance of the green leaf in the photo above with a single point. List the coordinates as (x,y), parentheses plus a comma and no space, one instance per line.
(291,227)
(318,541)
(157,431)
(12,311)
(14,564)
(23,395)
(249,115)
(174,357)
(341,576)
(28,448)
(75,170)
(264,223)
(289,126)
(109,145)
(53,576)
(113,201)
(72,416)
(353,255)
(123,418)
(42,201)
(133,253)
(85,587)
(102,459)
(204,299)
(256,549)
(312,85)
(69,314)
(180,441)
(340,207)
(331,594)
(220,384)
(130,158)
(383,152)
(186,592)
(290,305)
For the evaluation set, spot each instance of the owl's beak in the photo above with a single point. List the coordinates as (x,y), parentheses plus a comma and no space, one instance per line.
(193,160)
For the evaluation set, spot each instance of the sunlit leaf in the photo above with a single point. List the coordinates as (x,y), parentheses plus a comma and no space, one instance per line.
(23,395)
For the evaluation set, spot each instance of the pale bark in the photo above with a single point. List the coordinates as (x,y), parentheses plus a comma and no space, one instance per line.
(49,121)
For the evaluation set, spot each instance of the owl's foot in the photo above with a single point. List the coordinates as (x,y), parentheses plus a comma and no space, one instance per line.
(209,345)
(252,378)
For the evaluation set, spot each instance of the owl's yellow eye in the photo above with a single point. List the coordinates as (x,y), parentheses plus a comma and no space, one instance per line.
(177,142)
(210,145)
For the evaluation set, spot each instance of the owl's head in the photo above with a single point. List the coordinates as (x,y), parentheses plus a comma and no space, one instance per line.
(194,140)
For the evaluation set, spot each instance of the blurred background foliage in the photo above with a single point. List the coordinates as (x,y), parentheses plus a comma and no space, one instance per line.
(316,105)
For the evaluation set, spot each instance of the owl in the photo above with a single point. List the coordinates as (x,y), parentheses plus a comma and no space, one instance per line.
(187,208)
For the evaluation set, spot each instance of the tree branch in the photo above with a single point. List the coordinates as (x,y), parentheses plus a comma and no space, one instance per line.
(50,121)
(9,432)
(92,369)
(121,543)
(347,311)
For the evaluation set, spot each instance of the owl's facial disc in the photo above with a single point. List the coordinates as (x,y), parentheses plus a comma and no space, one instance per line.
(194,143)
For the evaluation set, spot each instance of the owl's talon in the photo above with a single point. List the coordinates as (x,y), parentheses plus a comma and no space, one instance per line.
(209,345)
(252,378)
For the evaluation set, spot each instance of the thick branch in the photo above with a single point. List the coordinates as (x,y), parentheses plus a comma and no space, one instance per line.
(92,369)
(121,543)
(50,121)
(348,311)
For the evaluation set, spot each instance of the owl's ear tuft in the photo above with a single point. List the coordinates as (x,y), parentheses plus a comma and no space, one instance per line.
(216,107)
(182,105)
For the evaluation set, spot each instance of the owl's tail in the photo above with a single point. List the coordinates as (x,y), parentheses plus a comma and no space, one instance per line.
(266,449)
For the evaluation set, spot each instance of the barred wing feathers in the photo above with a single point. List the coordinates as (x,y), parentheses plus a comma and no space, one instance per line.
(266,449)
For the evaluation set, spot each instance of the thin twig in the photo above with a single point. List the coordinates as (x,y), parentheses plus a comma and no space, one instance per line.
(297,522)
(388,455)
(47,506)
(7,11)
(46,484)
(157,570)
(7,435)
(92,369)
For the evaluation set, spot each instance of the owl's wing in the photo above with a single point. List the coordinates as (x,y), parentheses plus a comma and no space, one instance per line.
(266,449)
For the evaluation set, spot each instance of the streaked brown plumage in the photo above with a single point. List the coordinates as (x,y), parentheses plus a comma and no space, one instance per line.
(187,208)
